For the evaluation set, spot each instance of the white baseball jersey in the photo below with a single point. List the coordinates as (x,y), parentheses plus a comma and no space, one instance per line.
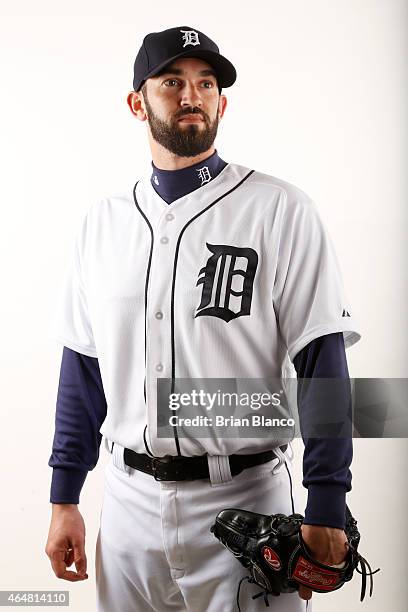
(227,281)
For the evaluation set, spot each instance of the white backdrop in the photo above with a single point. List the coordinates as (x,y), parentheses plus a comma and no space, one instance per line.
(320,101)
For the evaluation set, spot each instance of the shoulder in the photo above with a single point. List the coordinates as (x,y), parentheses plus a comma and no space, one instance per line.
(291,201)
(106,214)
(117,202)
(269,184)
(116,205)
(292,195)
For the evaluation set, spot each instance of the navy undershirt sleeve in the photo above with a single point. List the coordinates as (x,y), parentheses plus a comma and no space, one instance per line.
(80,412)
(326,461)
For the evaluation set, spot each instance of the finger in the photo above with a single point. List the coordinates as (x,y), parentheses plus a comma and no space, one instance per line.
(80,558)
(72,576)
(69,557)
(60,568)
(304,592)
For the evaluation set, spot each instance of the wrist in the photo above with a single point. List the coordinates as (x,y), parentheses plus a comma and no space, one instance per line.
(58,508)
(66,485)
(326,506)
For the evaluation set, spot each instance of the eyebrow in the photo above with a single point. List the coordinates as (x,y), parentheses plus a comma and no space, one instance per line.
(179,72)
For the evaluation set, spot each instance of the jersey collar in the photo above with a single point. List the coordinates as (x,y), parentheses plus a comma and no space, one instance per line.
(154,207)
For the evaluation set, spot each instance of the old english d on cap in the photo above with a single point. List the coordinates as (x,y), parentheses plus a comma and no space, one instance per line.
(161,48)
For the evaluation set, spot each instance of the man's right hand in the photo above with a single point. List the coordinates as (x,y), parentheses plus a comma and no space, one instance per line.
(66,542)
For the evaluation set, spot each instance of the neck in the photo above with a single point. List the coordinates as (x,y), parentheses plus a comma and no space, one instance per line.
(165,160)
(174,184)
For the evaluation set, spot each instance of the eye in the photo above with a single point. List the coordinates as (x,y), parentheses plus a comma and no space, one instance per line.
(210,84)
(171,82)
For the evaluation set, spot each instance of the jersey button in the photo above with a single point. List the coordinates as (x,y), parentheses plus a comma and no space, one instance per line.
(159,314)
(159,367)
(169,217)
(164,240)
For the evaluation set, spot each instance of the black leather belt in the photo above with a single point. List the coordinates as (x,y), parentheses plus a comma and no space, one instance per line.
(191,468)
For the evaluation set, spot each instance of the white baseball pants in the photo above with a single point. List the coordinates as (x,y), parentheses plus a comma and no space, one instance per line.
(155,551)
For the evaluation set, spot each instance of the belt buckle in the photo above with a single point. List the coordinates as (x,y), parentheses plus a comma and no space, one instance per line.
(156,461)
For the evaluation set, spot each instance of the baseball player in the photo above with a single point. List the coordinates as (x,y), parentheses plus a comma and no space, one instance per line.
(201,269)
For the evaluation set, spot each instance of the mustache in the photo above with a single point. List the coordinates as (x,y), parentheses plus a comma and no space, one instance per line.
(192,111)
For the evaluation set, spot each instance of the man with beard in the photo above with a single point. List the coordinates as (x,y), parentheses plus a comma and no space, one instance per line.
(205,269)
(190,131)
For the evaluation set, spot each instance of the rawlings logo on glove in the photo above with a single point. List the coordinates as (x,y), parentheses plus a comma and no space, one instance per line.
(272,558)
(306,573)
(273,550)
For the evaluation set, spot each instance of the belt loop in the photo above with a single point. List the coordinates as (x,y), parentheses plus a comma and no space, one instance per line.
(109,445)
(292,453)
(219,469)
(118,458)
(282,459)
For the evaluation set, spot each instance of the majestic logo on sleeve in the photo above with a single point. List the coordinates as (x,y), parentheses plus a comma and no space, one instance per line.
(227,287)
(190,38)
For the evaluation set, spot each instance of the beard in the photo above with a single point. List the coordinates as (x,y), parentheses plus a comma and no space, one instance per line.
(188,140)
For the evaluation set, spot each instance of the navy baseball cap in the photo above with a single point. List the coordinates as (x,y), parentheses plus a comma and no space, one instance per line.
(162,48)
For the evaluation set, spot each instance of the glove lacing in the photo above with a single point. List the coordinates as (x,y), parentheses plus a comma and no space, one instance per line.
(364,564)
(265,593)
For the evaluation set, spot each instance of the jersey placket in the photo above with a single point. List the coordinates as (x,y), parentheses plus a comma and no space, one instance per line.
(158,320)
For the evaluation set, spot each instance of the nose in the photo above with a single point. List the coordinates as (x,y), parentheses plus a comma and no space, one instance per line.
(190,95)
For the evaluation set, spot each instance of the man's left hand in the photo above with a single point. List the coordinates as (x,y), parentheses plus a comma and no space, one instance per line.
(327,545)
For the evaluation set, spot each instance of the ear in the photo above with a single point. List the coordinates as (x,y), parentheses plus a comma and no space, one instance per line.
(136,104)
(222,105)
